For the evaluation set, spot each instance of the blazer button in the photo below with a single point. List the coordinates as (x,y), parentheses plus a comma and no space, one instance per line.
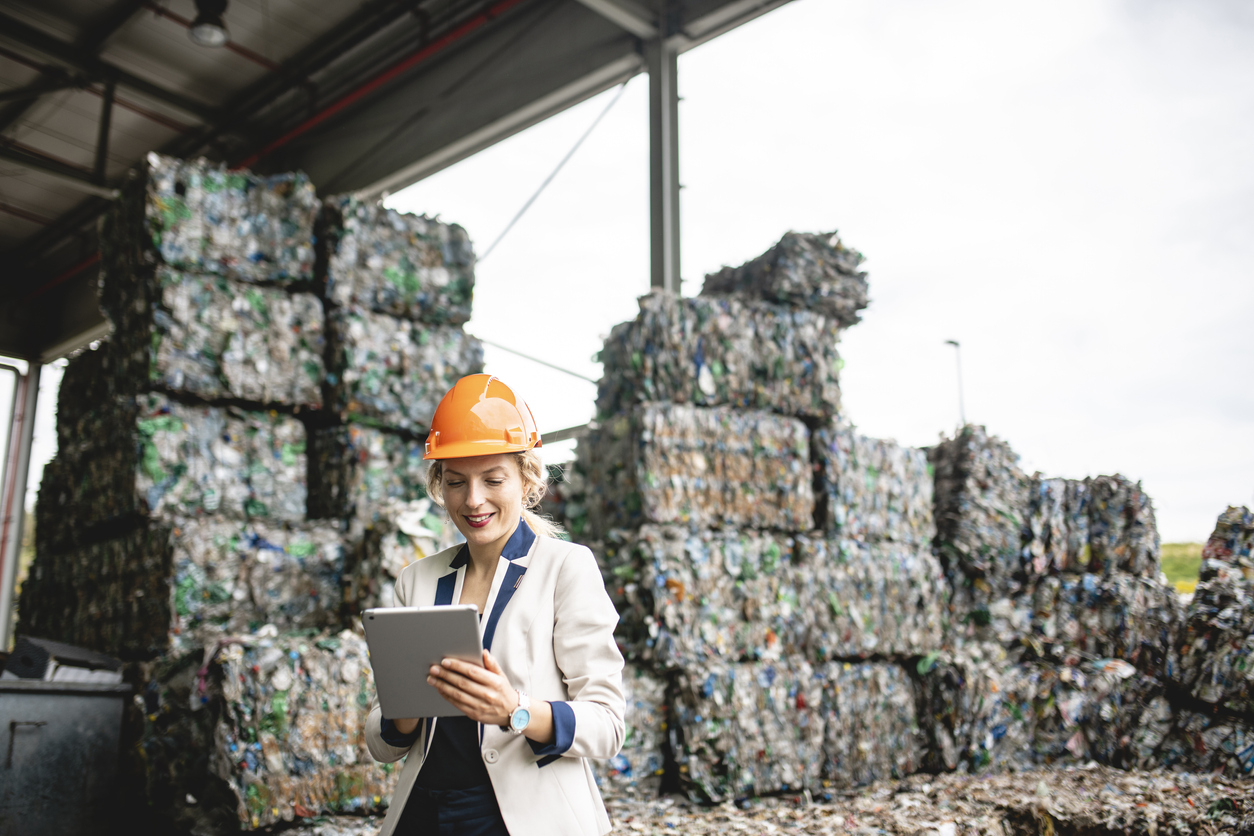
(491,755)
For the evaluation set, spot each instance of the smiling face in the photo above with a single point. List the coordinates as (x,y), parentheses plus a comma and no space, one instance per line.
(484,496)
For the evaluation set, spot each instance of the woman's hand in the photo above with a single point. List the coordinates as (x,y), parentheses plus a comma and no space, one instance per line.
(481,693)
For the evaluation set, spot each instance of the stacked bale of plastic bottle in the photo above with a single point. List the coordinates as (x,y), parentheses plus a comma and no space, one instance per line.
(188,419)
(220,488)
(398,291)
(755,619)
(1078,606)
(1215,670)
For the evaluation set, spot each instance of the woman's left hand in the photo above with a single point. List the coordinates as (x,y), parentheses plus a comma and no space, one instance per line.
(481,693)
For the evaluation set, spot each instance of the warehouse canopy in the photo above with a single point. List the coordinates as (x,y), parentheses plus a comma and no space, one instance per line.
(365,97)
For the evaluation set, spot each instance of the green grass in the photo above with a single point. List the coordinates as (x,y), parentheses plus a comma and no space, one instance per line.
(1181,564)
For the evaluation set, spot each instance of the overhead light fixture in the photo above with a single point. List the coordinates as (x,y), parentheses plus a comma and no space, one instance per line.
(209,29)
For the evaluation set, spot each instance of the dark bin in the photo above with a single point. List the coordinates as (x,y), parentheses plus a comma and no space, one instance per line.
(59,745)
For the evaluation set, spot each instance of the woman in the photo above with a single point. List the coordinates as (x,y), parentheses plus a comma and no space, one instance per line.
(549,694)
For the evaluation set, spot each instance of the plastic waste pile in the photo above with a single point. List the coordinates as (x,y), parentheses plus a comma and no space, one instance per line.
(638,768)
(1216,644)
(804,270)
(1115,669)
(280,718)
(240,473)
(772,568)
(722,351)
(702,467)
(873,489)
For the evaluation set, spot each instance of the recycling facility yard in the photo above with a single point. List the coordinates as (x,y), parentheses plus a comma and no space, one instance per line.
(825,632)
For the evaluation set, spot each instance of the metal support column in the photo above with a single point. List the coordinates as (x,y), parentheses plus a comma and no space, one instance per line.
(662,63)
(13,492)
(102,142)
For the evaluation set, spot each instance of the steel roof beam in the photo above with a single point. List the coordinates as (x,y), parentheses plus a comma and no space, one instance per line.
(350,33)
(108,23)
(29,37)
(628,15)
(68,175)
(38,88)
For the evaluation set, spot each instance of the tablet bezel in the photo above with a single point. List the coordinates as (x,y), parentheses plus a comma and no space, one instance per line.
(405,642)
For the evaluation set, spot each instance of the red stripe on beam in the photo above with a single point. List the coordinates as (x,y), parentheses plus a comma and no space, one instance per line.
(382,78)
(64,277)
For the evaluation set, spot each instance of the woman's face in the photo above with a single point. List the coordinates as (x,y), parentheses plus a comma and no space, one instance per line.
(484,496)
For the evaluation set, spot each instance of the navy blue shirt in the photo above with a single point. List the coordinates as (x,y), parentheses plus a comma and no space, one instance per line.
(454,761)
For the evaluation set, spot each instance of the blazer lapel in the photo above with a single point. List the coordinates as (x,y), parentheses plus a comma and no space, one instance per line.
(448,587)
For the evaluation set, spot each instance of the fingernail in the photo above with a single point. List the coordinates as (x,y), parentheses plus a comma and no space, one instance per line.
(430,680)
(444,661)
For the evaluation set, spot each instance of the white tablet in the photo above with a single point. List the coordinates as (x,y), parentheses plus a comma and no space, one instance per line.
(405,642)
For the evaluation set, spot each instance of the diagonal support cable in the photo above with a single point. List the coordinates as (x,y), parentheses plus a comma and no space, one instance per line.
(553,174)
(536,360)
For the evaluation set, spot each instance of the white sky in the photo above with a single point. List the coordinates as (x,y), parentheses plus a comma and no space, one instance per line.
(1064,187)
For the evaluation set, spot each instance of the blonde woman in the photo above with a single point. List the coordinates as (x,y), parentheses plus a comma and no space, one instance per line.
(549,695)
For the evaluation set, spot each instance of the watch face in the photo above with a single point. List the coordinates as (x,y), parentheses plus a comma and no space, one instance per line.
(519,719)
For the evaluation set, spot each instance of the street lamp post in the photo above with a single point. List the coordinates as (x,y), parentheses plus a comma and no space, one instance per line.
(962,413)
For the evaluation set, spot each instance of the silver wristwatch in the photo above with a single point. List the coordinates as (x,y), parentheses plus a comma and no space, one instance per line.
(520,716)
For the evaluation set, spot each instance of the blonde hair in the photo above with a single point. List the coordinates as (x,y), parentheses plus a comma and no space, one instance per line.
(535,479)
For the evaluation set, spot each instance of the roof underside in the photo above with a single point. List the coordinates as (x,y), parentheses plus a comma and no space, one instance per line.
(362,96)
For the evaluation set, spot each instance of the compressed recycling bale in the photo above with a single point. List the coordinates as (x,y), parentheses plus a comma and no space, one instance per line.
(274,724)
(399,534)
(722,351)
(154,456)
(232,578)
(392,372)
(705,467)
(857,599)
(812,271)
(396,263)
(874,489)
(973,709)
(870,730)
(92,377)
(638,767)
(354,470)
(1120,616)
(981,499)
(215,338)
(1232,541)
(1123,536)
(199,216)
(691,598)
(747,729)
(1192,741)
(981,710)
(111,596)
(1216,644)
(168,585)
(1047,537)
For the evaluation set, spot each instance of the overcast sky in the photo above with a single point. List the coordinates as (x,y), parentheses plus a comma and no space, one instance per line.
(1064,187)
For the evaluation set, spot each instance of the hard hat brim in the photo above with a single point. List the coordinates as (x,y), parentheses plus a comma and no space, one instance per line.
(469,449)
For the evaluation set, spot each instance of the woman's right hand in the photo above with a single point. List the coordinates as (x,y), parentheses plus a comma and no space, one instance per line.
(406,726)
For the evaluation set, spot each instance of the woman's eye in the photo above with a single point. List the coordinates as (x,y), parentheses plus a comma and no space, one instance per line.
(496,482)
(452,484)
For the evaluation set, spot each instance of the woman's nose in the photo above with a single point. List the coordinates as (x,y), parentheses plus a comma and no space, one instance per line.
(474,494)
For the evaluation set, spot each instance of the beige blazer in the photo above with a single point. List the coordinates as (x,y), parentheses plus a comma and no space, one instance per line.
(554,639)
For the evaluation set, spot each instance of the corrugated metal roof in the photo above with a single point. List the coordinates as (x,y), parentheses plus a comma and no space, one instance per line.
(363,96)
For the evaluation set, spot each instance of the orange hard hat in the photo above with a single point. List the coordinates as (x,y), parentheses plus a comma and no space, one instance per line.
(481,416)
